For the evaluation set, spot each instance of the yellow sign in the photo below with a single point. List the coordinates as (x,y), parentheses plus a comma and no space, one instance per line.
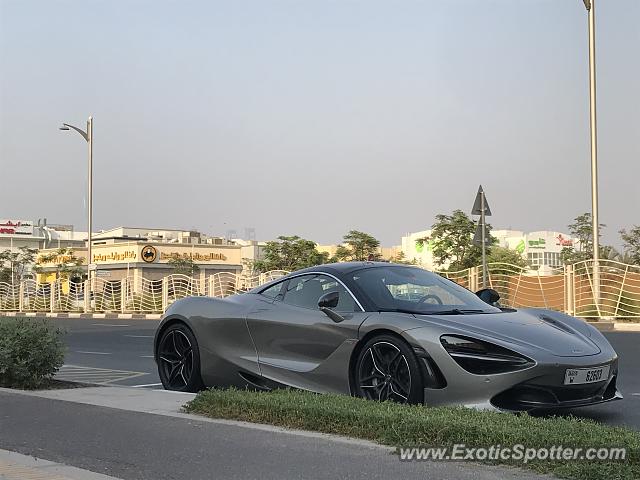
(196,257)
(113,256)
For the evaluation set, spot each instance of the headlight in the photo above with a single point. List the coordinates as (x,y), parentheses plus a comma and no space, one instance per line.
(483,358)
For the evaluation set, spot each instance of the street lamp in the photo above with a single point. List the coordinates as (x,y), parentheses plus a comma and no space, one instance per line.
(590,6)
(88,136)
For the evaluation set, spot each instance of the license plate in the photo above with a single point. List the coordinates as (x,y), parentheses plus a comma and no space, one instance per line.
(577,376)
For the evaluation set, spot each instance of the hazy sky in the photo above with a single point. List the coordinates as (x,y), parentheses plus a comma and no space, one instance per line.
(315,117)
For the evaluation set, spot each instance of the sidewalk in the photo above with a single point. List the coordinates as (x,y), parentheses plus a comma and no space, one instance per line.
(14,466)
(138,434)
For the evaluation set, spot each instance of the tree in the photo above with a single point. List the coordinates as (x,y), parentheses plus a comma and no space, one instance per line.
(401,258)
(67,265)
(505,255)
(358,246)
(290,253)
(13,265)
(582,230)
(183,265)
(631,241)
(452,241)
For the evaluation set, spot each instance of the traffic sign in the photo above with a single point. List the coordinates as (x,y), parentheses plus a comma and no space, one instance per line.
(477,204)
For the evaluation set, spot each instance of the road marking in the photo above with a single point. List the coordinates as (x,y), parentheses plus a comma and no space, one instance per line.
(146,356)
(93,353)
(109,325)
(100,376)
(636,394)
(173,391)
(147,385)
(139,336)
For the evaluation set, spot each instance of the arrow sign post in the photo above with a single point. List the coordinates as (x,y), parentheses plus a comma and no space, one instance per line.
(481,207)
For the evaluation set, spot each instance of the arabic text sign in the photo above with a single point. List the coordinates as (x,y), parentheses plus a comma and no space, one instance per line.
(16,227)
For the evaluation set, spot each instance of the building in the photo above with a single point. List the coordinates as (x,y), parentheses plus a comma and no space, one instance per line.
(146,253)
(15,233)
(541,249)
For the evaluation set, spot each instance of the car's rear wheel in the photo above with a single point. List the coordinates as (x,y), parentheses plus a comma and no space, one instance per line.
(178,359)
(387,369)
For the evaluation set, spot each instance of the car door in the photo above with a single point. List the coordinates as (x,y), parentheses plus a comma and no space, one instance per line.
(299,345)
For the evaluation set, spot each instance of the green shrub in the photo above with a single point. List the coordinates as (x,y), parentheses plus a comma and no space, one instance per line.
(31,352)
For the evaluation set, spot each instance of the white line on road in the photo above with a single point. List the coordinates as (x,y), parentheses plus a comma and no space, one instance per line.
(147,385)
(636,394)
(94,353)
(109,325)
(139,336)
(173,391)
(146,356)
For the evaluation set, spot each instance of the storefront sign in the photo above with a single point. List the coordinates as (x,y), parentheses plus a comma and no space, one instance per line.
(115,256)
(564,242)
(540,243)
(16,227)
(196,257)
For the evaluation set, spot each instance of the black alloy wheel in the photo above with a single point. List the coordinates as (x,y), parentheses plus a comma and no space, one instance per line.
(179,360)
(387,369)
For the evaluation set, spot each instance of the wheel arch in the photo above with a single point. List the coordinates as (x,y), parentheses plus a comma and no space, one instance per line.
(429,370)
(165,324)
(362,342)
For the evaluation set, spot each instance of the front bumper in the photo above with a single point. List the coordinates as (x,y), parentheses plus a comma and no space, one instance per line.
(529,396)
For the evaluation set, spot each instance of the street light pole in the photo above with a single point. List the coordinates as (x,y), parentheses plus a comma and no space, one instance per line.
(88,136)
(590,6)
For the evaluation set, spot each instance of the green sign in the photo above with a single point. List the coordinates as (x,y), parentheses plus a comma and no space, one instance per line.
(540,243)
(520,247)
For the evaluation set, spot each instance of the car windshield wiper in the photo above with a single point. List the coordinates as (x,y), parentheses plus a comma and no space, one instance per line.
(400,310)
(455,311)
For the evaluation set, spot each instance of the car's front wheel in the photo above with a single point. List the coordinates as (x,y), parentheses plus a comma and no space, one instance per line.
(178,359)
(387,369)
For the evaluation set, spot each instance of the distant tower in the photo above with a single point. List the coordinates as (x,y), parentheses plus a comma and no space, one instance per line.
(231,234)
(249,233)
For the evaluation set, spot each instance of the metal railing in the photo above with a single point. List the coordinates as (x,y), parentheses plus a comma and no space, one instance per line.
(569,289)
(128,295)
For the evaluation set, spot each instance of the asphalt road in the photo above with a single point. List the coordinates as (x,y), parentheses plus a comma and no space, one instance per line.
(141,446)
(127,346)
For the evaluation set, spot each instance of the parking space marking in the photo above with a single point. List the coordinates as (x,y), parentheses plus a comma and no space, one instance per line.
(146,356)
(139,336)
(99,376)
(147,385)
(93,353)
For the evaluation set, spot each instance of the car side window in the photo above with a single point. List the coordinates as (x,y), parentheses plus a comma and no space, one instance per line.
(306,290)
(274,290)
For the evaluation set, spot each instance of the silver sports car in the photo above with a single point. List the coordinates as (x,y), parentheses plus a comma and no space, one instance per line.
(384,331)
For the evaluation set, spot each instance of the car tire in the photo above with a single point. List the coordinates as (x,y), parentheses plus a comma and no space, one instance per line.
(178,359)
(386,368)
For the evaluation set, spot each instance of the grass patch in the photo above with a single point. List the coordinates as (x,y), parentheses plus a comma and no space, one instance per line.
(417,426)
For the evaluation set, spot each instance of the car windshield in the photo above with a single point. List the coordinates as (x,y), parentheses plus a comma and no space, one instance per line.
(414,290)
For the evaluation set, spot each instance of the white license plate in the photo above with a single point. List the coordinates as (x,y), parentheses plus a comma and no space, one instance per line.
(577,376)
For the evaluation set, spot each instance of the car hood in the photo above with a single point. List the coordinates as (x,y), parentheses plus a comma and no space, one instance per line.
(537,329)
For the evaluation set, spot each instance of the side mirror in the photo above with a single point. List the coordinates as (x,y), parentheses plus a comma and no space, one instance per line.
(488,295)
(329,300)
